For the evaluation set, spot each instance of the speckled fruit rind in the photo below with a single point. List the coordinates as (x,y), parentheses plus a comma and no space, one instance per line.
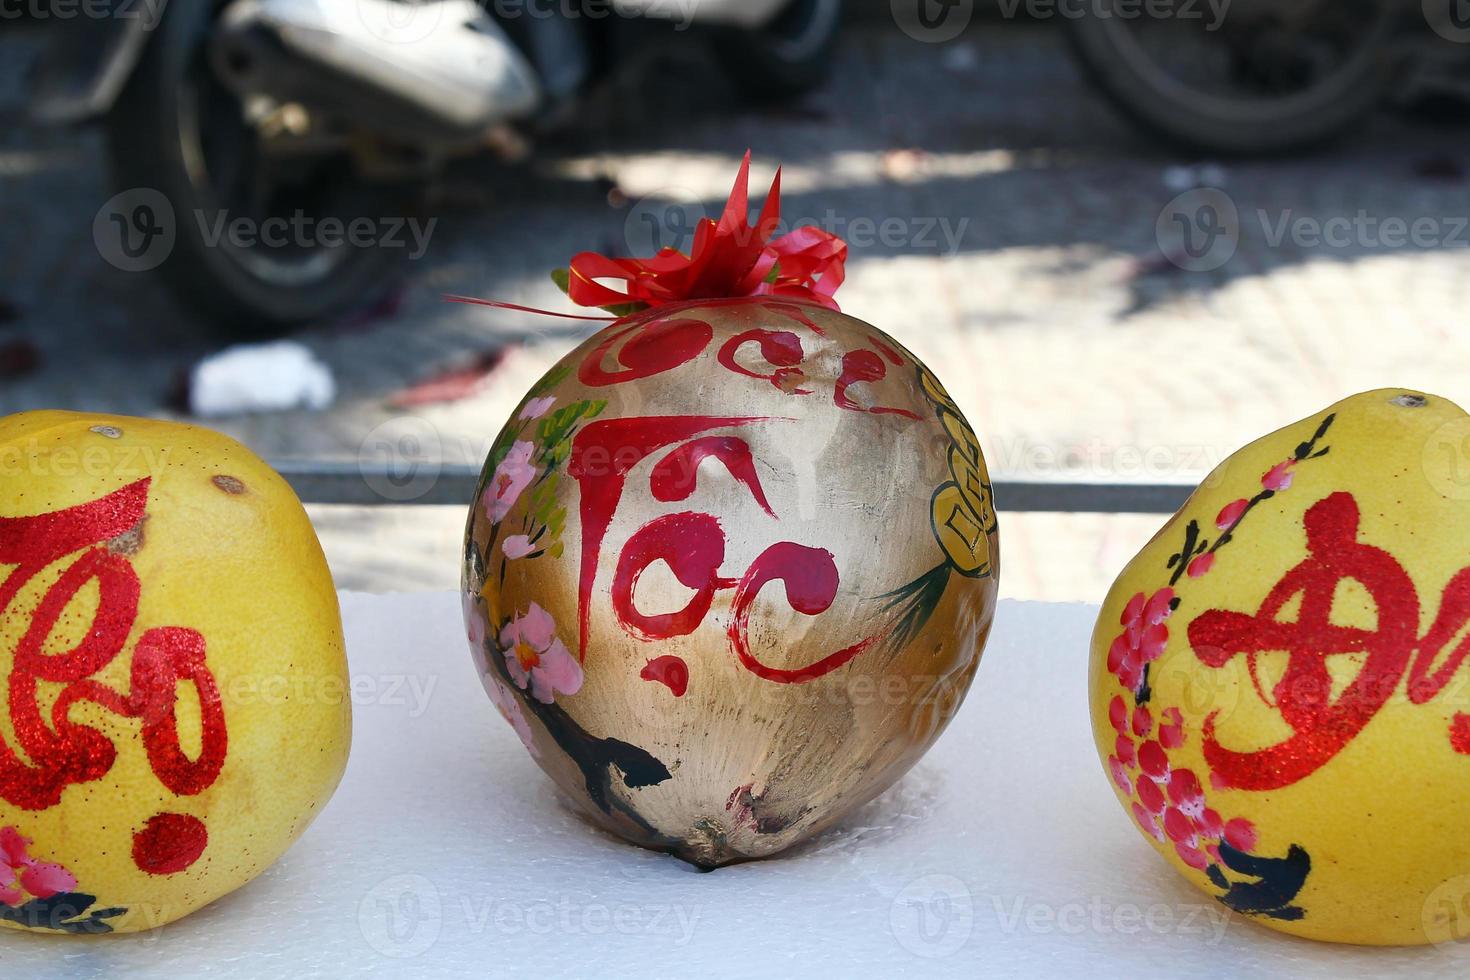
(196,643)
(1276,682)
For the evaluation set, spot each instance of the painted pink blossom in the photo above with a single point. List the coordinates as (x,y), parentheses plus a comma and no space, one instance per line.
(1143,722)
(510,709)
(1202,564)
(23,877)
(1171,732)
(1279,476)
(1187,794)
(1230,514)
(537,407)
(1125,750)
(1240,834)
(1192,856)
(1179,827)
(1148,822)
(1150,795)
(474,626)
(1124,661)
(1118,715)
(1143,638)
(517,546)
(1153,760)
(1120,774)
(511,478)
(537,659)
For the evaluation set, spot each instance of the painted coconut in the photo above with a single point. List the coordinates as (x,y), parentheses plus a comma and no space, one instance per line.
(1278,679)
(175,710)
(733,560)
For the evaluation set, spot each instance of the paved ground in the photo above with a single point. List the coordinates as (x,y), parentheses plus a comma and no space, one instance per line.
(1074,348)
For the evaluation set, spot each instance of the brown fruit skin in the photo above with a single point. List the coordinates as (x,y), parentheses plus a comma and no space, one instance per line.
(859,453)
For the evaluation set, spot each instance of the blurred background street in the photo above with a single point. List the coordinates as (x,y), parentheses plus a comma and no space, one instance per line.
(1025,262)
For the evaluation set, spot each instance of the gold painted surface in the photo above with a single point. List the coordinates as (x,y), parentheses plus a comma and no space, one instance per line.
(884,474)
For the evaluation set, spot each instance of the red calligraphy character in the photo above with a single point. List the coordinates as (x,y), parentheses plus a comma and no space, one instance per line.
(780,348)
(1321,726)
(648,347)
(62,752)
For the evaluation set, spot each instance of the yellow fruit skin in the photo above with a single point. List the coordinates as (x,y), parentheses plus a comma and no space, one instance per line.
(1383,818)
(225,550)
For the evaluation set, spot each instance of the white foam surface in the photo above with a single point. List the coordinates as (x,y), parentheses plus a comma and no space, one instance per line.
(446,853)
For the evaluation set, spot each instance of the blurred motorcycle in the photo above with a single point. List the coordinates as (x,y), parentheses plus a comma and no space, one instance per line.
(1258,77)
(301,111)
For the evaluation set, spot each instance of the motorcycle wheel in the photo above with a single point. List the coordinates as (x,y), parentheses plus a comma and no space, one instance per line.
(1242,89)
(178,130)
(789,57)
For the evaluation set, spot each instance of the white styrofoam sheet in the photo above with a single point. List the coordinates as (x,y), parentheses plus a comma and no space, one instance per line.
(446,853)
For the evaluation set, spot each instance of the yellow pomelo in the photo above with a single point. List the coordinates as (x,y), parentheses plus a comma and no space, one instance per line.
(1277,680)
(176,706)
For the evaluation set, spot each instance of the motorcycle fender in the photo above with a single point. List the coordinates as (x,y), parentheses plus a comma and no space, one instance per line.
(87,65)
